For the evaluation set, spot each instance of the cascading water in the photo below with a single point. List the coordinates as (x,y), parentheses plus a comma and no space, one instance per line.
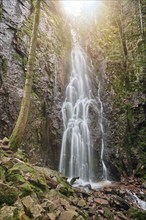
(102,131)
(76,159)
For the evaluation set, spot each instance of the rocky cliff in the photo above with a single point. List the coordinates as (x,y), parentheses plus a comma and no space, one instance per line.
(44,129)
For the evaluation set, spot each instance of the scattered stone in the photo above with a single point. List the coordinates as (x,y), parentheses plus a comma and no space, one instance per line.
(88,186)
(81,203)
(64,203)
(8,194)
(7,212)
(101,201)
(32,207)
(50,206)
(108,214)
(68,215)
(24,188)
(80,218)
(51,216)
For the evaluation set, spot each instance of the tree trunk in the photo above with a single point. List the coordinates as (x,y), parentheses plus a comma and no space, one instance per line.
(140,17)
(18,131)
(123,42)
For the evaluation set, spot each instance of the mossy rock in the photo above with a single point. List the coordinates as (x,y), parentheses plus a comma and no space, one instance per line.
(108,214)
(7,213)
(23,167)
(134,213)
(26,189)
(12,213)
(65,189)
(54,194)
(21,172)
(2,173)
(16,178)
(8,194)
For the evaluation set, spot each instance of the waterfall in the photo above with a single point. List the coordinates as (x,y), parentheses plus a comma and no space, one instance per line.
(102,132)
(76,158)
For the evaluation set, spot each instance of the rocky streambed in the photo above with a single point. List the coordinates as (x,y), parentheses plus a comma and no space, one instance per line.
(31,192)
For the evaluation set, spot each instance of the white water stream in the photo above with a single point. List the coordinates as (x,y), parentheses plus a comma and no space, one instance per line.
(137,201)
(76,159)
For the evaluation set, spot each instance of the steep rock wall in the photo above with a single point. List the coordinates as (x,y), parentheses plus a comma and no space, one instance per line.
(122,90)
(44,130)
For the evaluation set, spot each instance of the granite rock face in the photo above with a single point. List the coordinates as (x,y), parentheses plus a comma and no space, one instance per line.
(44,130)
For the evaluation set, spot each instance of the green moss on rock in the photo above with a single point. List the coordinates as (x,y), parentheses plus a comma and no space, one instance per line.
(4,66)
(134,213)
(2,173)
(108,214)
(8,194)
(26,189)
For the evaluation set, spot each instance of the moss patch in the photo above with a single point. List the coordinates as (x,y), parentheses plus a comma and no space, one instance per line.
(8,194)
(137,214)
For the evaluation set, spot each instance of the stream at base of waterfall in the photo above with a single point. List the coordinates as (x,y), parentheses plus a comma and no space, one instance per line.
(76,158)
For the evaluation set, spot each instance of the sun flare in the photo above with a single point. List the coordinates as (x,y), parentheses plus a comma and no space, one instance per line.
(78,7)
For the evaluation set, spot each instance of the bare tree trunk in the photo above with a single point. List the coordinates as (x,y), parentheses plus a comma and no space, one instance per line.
(124,46)
(141,20)
(18,131)
(142,15)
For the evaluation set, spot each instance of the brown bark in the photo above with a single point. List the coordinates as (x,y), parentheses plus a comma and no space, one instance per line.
(18,131)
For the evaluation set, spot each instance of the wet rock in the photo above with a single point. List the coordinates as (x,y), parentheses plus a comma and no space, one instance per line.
(120,203)
(73,180)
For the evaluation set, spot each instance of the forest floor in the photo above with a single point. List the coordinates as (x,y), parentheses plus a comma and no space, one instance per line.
(32,192)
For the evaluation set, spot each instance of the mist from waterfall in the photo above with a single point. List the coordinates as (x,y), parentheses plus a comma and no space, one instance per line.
(76,158)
